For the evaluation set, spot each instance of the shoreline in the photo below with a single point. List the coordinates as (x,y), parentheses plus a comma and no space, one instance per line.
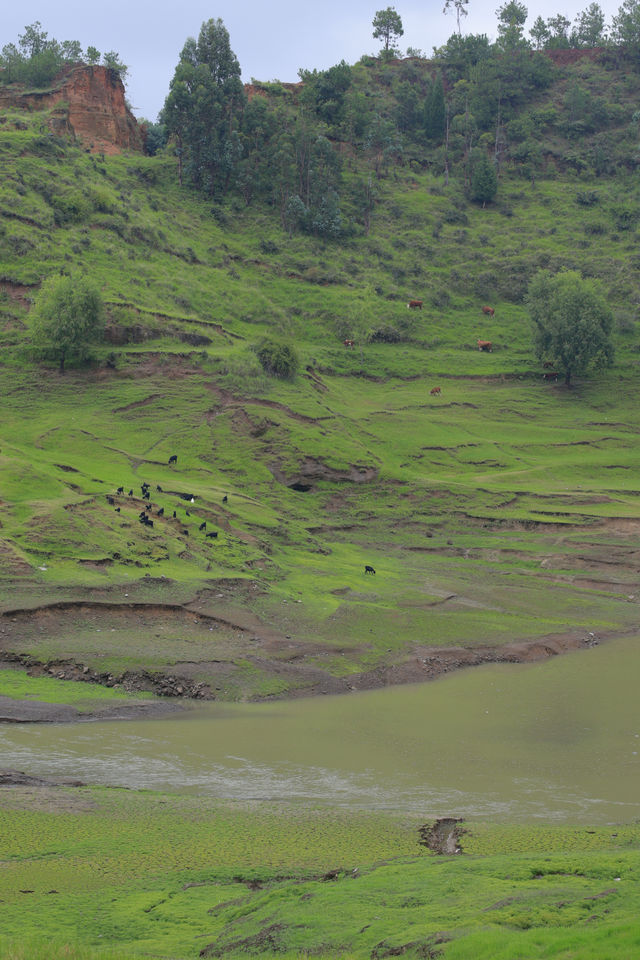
(423,665)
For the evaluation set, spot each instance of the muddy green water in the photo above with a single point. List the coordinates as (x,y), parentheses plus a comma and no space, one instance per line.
(558,740)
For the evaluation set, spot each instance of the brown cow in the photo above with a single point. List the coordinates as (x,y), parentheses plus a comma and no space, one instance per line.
(349,343)
(413,304)
(489,311)
(553,375)
(435,391)
(485,345)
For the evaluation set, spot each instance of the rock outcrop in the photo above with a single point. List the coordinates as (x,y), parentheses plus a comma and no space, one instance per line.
(87,103)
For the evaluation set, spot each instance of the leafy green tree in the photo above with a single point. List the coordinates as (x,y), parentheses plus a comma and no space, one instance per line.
(111,59)
(460,8)
(68,318)
(387,26)
(539,33)
(558,32)
(460,54)
(589,27)
(93,56)
(625,26)
(484,179)
(325,90)
(34,40)
(203,109)
(512,17)
(71,51)
(571,322)
(435,112)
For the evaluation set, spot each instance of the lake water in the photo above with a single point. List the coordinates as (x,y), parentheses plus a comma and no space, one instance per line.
(558,740)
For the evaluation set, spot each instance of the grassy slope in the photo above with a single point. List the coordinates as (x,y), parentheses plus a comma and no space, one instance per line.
(505,495)
(517,497)
(158,875)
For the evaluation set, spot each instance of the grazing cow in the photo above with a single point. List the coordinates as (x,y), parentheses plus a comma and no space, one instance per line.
(489,311)
(148,523)
(120,490)
(552,375)
(175,515)
(130,493)
(117,509)
(203,525)
(110,500)
(435,391)
(368,569)
(173,458)
(148,507)
(146,495)
(161,512)
(415,305)
(185,533)
(485,345)
(213,535)
(187,513)
(349,343)
(141,515)
(225,498)
(159,488)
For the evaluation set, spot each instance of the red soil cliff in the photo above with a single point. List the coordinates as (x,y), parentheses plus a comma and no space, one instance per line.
(92,108)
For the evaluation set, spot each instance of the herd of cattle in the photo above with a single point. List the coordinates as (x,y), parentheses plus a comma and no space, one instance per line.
(485,346)
(146,514)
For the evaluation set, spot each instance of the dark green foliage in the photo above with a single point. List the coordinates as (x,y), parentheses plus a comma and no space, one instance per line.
(155,136)
(387,26)
(484,179)
(625,27)
(278,359)
(68,318)
(572,322)
(324,91)
(589,27)
(435,112)
(37,58)
(203,108)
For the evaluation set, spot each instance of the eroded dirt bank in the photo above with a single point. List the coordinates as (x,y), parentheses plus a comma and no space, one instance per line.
(177,690)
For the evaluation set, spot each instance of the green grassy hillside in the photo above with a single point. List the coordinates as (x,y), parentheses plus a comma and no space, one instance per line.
(499,510)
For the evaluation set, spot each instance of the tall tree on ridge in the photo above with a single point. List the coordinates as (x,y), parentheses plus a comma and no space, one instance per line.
(203,109)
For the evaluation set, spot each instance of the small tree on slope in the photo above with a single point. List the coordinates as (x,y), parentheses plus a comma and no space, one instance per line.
(571,322)
(69,316)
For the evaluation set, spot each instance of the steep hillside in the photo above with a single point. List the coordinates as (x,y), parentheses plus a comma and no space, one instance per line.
(499,515)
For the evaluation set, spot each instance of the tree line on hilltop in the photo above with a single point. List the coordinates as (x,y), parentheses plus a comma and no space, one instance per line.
(37,58)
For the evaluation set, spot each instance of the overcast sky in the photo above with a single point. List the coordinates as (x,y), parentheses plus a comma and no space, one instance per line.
(271,40)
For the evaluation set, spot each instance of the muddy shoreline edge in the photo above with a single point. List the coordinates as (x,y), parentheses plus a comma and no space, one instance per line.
(175,694)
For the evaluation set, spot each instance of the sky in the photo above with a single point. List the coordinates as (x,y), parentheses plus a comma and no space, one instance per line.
(272,40)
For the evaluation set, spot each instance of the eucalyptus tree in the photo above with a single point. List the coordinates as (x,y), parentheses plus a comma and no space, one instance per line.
(204,107)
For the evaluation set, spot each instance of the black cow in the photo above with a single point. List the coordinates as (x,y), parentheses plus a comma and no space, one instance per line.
(159,488)
(225,498)
(110,500)
(130,493)
(117,509)
(213,535)
(368,569)
(120,490)
(161,512)
(146,495)
(173,458)
(185,533)
(203,525)
(175,515)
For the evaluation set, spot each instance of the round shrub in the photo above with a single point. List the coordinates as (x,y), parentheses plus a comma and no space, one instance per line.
(278,359)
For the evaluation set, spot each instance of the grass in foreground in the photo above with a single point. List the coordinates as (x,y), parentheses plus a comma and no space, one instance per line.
(144,874)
